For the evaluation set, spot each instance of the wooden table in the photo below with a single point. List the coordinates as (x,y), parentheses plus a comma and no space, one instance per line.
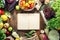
(13,22)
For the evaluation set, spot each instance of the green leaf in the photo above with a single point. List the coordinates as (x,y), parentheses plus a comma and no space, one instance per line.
(1,4)
(2,35)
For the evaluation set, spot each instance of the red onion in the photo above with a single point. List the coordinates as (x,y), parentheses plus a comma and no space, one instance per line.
(10,1)
(44,37)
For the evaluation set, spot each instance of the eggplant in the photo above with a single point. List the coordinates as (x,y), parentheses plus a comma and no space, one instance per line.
(12,6)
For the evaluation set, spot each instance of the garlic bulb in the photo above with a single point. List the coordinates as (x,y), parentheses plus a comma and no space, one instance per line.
(9,37)
(6,25)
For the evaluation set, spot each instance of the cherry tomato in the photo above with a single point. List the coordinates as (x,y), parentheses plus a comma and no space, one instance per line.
(31,5)
(26,8)
(1,12)
(21,3)
(22,0)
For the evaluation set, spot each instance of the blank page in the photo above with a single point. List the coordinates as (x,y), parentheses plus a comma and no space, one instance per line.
(28,21)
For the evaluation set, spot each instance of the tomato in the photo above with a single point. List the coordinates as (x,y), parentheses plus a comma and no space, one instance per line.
(1,12)
(26,8)
(31,5)
(21,3)
(22,0)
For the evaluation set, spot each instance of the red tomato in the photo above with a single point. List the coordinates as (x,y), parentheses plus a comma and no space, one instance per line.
(1,12)
(31,5)
(21,3)
(26,8)
(22,0)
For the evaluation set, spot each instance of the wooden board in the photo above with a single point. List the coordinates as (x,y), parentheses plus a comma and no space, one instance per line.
(28,21)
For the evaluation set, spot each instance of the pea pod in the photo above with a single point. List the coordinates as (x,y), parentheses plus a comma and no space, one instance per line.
(27,35)
(31,32)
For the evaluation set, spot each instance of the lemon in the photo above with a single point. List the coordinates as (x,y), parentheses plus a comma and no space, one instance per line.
(4,17)
(17,39)
(1,25)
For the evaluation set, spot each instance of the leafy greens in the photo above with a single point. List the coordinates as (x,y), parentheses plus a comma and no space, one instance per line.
(54,23)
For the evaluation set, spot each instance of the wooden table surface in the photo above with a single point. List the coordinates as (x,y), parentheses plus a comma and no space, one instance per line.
(13,22)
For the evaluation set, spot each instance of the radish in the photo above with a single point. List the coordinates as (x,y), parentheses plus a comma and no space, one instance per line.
(43,36)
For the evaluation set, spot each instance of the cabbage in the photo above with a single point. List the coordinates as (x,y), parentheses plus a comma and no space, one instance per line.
(53,35)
